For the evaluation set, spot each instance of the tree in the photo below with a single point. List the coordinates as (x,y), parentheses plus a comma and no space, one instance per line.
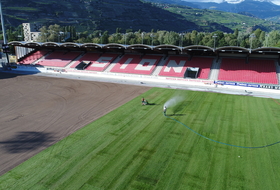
(128,38)
(240,38)
(187,41)
(119,38)
(199,38)
(273,38)
(128,30)
(232,42)
(104,38)
(257,33)
(11,34)
(161,36)
(171,38)
(236,32)
(207,40)
(254,41)
(53,31)
(118,30)
(222,43)
(44,36)
(194,36)
(244,43)
(262,38)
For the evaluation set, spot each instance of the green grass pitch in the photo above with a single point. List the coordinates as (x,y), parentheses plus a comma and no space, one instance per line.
(136,147)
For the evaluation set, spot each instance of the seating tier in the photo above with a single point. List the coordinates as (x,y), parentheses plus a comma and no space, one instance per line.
(59,58)
(256,71)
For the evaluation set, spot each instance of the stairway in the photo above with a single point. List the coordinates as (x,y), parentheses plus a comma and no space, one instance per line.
(113,63)
(160,66)
(277,70)
(215,68)
(73,61)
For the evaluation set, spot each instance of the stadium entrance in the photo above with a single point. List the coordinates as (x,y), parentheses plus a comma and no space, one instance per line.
(83,65)
(192,72)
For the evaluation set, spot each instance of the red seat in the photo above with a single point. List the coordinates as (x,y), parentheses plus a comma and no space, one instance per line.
(33,57)
(59,58)
(256,71)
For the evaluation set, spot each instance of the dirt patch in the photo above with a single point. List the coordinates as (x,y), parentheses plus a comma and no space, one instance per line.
(36,111)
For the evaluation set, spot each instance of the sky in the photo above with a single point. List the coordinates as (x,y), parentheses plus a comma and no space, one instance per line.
(277,2)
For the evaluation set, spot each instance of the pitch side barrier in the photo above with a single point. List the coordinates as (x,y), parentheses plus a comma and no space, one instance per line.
(266,86)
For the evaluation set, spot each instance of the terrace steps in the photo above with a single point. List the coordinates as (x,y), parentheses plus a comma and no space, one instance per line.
(215,68)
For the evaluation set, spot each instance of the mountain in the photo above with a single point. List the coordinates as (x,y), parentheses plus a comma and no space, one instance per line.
(276,2)
(264,9)
(207,17)
(260,9)
(93,15)
(176,2)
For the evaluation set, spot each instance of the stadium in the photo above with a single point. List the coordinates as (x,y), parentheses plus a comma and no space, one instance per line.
(72,117)
(224,65)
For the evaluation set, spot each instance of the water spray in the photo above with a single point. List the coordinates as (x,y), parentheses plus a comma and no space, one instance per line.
(173,101)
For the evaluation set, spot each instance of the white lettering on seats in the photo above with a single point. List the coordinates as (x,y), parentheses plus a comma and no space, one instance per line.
(101,62)
(146,64)
(124,65)
(172,64)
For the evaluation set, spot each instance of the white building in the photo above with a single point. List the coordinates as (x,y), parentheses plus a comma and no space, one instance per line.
(31,31)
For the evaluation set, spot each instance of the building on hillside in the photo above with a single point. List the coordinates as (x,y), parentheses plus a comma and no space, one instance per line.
(31,31)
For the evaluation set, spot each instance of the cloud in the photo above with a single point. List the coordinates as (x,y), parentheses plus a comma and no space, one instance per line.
(208,1)
(205,1)
(276,2)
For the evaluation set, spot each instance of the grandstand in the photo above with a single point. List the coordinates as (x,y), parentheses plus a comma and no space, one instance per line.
(193,63)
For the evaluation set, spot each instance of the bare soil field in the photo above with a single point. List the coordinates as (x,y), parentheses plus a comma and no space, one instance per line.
(37,111)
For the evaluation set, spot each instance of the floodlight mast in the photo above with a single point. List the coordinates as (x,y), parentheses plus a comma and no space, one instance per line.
(215,36)
(3,31)
(251,36)
(2,23)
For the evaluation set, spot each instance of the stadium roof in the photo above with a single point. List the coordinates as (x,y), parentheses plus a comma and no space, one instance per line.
(146,48)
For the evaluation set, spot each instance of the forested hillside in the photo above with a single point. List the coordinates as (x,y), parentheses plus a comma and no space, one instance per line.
(95,14)
(135,21)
